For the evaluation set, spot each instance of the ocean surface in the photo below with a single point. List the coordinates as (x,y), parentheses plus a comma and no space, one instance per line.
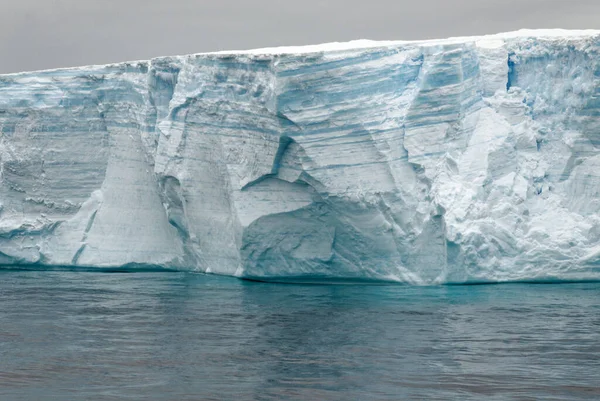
(183,336)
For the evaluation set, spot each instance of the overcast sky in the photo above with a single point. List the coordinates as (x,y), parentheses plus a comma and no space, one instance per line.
(39,34)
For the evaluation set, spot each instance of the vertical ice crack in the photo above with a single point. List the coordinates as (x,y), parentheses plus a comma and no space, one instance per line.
(84,238)
(512,72)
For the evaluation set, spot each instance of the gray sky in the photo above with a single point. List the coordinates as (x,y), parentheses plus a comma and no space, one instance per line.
(39,34)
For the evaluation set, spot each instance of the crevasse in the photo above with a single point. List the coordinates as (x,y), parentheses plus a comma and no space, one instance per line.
(450,161)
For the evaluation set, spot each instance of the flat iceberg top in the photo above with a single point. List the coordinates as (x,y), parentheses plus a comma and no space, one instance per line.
(494,40)
(366,43)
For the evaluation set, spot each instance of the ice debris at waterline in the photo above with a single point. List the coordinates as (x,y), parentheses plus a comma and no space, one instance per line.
(446,161)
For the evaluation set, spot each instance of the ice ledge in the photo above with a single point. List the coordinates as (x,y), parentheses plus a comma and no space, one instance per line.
(351,45)
(366,43)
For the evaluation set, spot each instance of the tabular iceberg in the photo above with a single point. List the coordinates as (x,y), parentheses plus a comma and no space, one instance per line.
(449,161)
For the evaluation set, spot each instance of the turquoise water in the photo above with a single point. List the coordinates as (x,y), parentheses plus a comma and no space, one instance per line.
(178,336)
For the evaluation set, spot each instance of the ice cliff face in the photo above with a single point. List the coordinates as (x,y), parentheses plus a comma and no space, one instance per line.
(460,160)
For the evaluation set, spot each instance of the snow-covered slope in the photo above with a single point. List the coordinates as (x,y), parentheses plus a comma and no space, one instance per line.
(460,160)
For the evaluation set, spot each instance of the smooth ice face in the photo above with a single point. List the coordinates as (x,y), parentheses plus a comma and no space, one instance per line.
(451,161)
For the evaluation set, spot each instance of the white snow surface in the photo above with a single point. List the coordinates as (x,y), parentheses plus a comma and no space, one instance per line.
(462,160)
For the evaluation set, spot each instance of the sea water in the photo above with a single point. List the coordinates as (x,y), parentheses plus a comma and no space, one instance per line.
(182,336)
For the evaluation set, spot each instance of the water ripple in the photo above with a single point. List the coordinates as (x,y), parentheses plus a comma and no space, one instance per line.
(178,336)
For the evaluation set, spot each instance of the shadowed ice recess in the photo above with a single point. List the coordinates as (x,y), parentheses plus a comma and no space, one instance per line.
(465,160)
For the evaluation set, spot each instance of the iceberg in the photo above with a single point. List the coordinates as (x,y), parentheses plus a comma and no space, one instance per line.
(464,160)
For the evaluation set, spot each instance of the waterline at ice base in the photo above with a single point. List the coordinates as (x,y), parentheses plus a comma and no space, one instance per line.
(464,160)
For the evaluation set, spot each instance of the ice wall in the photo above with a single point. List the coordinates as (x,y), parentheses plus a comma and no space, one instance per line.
(460,160)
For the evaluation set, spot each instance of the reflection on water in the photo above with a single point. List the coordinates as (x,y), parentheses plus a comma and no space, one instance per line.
(177,336)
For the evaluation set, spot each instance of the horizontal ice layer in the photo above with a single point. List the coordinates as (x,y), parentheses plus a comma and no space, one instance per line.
(450,161)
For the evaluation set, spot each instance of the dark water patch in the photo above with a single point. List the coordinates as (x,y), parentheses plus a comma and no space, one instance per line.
(319,280)
(128,268)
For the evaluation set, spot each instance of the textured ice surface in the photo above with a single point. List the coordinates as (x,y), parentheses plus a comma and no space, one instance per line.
(460,160)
